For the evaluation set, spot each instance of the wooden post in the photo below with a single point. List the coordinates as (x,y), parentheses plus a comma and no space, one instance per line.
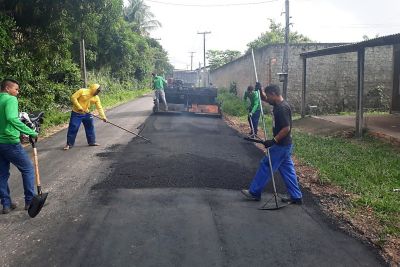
(304,88)
(83,63)
(360,91)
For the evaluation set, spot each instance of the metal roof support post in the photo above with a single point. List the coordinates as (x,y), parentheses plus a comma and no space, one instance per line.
(304,88)
(360,91)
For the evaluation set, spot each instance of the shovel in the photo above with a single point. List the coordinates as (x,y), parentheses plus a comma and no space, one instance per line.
(38,200)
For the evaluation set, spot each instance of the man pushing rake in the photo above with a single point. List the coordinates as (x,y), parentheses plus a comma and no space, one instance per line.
(279,150)
(81,101)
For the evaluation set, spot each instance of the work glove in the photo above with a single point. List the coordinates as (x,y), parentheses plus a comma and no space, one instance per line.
(250,114)
(269,143)
(33,140)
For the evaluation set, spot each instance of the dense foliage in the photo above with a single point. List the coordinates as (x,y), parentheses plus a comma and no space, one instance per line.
(276,35)
(231,104)
(218,58)
(39,46)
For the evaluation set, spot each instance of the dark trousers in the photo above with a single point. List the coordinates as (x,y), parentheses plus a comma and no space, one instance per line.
(254,120)
(74,124)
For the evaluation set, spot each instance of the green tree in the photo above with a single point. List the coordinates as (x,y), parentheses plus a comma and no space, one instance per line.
(366,37)
(161,61)
(276,35)
(217,58)
(140,18)
(39,46)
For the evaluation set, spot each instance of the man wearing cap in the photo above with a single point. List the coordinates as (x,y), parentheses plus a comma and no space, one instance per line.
(81,102)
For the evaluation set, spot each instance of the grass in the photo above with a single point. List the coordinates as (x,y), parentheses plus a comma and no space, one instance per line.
(232,104)
(121,96)
(368,113)
(235,106)
(368,168)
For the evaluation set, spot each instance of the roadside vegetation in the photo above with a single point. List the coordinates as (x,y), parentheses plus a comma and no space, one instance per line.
(368,169)
(40,47)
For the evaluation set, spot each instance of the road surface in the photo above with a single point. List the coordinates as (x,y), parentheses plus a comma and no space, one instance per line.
(172,202)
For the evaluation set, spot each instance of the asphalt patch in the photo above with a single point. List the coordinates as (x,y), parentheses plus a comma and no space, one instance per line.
(183,170)
(185,152)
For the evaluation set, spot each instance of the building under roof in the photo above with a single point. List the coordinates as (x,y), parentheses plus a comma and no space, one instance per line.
(359,48)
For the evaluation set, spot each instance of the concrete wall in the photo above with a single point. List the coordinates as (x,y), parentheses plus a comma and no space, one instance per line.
(331,80)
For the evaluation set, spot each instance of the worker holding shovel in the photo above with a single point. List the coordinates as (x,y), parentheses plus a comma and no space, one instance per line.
(254,110)
(11,150)
(81,101)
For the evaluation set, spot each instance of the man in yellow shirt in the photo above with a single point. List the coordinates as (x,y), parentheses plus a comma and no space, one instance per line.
(81,102)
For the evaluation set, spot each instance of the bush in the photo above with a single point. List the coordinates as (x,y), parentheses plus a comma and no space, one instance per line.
(233,88)
(231,104)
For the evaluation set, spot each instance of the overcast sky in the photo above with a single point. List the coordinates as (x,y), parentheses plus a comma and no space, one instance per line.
(232,27)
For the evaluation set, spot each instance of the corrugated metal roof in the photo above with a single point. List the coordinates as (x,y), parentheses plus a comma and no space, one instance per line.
(379,41)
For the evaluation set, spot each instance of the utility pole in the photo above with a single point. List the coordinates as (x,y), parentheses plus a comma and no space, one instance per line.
(83,62)
(191,60)
(285,63)
(204,49)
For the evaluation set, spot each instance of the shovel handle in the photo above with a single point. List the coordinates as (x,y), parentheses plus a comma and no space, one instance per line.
(36,165)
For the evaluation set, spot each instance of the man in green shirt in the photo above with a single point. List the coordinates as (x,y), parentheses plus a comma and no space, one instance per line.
(158,86)
(254,109)
(11,150)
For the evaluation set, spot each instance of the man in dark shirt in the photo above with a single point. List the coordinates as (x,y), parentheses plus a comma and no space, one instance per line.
(280,151)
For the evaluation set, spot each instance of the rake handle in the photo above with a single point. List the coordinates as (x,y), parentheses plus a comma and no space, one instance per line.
(122,128)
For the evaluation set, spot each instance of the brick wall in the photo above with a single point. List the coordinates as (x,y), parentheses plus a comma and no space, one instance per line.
(331,80)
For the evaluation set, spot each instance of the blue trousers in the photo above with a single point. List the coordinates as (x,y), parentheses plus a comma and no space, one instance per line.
(281,161)
(74,124)
(15,154)
(254,119)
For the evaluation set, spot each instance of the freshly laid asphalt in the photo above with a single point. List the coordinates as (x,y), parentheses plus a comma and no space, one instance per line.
(172,202)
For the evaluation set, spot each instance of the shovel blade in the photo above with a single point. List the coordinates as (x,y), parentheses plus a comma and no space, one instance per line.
(37,204)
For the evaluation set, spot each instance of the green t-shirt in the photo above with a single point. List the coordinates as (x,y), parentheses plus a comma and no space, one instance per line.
(158,83)
(254,100)
(10,124)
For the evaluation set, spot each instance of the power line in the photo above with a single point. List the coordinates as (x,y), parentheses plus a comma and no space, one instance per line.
(212,5)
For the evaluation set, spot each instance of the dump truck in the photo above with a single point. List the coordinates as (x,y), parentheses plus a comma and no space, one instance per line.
(186,98)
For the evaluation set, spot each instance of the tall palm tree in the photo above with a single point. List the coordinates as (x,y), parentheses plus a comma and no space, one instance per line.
(140,18)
